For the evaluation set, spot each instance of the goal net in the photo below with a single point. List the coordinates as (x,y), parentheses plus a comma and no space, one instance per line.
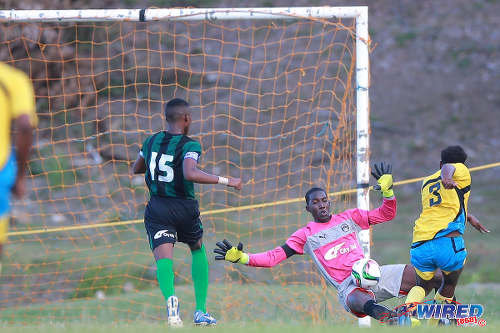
(273,101)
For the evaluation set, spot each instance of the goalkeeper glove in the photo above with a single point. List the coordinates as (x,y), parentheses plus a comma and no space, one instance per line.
(230,253)
(384,179)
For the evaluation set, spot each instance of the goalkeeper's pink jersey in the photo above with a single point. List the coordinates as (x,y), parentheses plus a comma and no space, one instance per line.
(334,245)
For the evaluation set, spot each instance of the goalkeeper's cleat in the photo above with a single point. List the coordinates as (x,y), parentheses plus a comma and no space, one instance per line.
(174,320)
(203,319)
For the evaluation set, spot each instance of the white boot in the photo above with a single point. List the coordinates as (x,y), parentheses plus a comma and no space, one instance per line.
(174,320)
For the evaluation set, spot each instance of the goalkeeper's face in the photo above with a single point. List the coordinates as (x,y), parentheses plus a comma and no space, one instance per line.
(319,206)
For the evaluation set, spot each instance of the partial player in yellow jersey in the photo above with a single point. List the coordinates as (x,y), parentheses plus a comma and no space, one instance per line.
(437,235)
(17,119)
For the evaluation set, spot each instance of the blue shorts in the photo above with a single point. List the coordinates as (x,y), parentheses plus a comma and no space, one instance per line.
(445,253)
(7,180)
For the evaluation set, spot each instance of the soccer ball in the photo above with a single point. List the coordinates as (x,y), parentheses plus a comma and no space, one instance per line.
(366,273)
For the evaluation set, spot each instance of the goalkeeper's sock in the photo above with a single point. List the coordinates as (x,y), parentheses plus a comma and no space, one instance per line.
(165,275)
(199,271)
(378,311)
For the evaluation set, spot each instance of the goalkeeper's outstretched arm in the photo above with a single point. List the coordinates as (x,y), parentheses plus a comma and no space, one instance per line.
(228,252)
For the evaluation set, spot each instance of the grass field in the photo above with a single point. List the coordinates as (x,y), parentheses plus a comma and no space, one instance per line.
(232,328)
(284,297)
(256,311)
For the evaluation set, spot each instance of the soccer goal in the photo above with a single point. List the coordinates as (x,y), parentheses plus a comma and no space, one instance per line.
(279,98)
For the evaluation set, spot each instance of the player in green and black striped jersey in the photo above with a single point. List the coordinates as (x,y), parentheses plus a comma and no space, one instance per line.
(169,160)
(164,153)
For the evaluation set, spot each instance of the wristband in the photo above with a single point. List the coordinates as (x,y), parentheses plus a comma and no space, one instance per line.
(223,180)
(245,259)
(388,194)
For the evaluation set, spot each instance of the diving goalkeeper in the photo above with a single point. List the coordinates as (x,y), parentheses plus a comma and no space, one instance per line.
(331,241)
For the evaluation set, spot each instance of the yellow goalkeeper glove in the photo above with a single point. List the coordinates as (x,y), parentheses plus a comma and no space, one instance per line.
(230,253)
(384,179)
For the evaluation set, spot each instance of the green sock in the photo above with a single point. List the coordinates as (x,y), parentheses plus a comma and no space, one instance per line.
(199,271)
(165,275)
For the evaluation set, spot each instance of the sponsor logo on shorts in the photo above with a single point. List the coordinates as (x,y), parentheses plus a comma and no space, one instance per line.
(164,233)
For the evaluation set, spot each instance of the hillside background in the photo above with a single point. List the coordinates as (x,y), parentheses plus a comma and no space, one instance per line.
(435,71)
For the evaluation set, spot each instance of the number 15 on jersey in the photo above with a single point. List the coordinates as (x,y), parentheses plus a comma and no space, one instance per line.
(162,166)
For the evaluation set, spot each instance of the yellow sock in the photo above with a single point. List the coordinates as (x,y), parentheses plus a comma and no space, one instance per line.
(416,295)
(441,299)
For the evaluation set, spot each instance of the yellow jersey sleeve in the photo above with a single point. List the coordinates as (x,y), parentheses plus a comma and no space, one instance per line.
(461,176)
(22,97)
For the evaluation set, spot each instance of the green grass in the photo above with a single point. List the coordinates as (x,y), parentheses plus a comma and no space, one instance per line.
(145,327)
(230,302)
(241,308)
(106,259)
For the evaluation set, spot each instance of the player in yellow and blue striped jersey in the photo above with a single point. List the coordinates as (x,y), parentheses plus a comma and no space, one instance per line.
(437,235)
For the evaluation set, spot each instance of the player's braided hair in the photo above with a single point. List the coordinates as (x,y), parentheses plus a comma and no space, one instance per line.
(311,191)
(453,154)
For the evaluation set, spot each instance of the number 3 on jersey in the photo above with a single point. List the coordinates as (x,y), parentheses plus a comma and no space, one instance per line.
(434,190)
(162,166)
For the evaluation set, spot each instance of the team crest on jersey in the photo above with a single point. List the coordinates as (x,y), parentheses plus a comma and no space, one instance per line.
(345,227)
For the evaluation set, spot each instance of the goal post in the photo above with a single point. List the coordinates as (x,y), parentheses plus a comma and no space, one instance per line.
(308,84)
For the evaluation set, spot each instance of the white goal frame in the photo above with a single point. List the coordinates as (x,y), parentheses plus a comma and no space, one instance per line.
(359,13)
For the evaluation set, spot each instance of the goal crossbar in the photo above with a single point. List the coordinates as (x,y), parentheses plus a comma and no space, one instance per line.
(183,14)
